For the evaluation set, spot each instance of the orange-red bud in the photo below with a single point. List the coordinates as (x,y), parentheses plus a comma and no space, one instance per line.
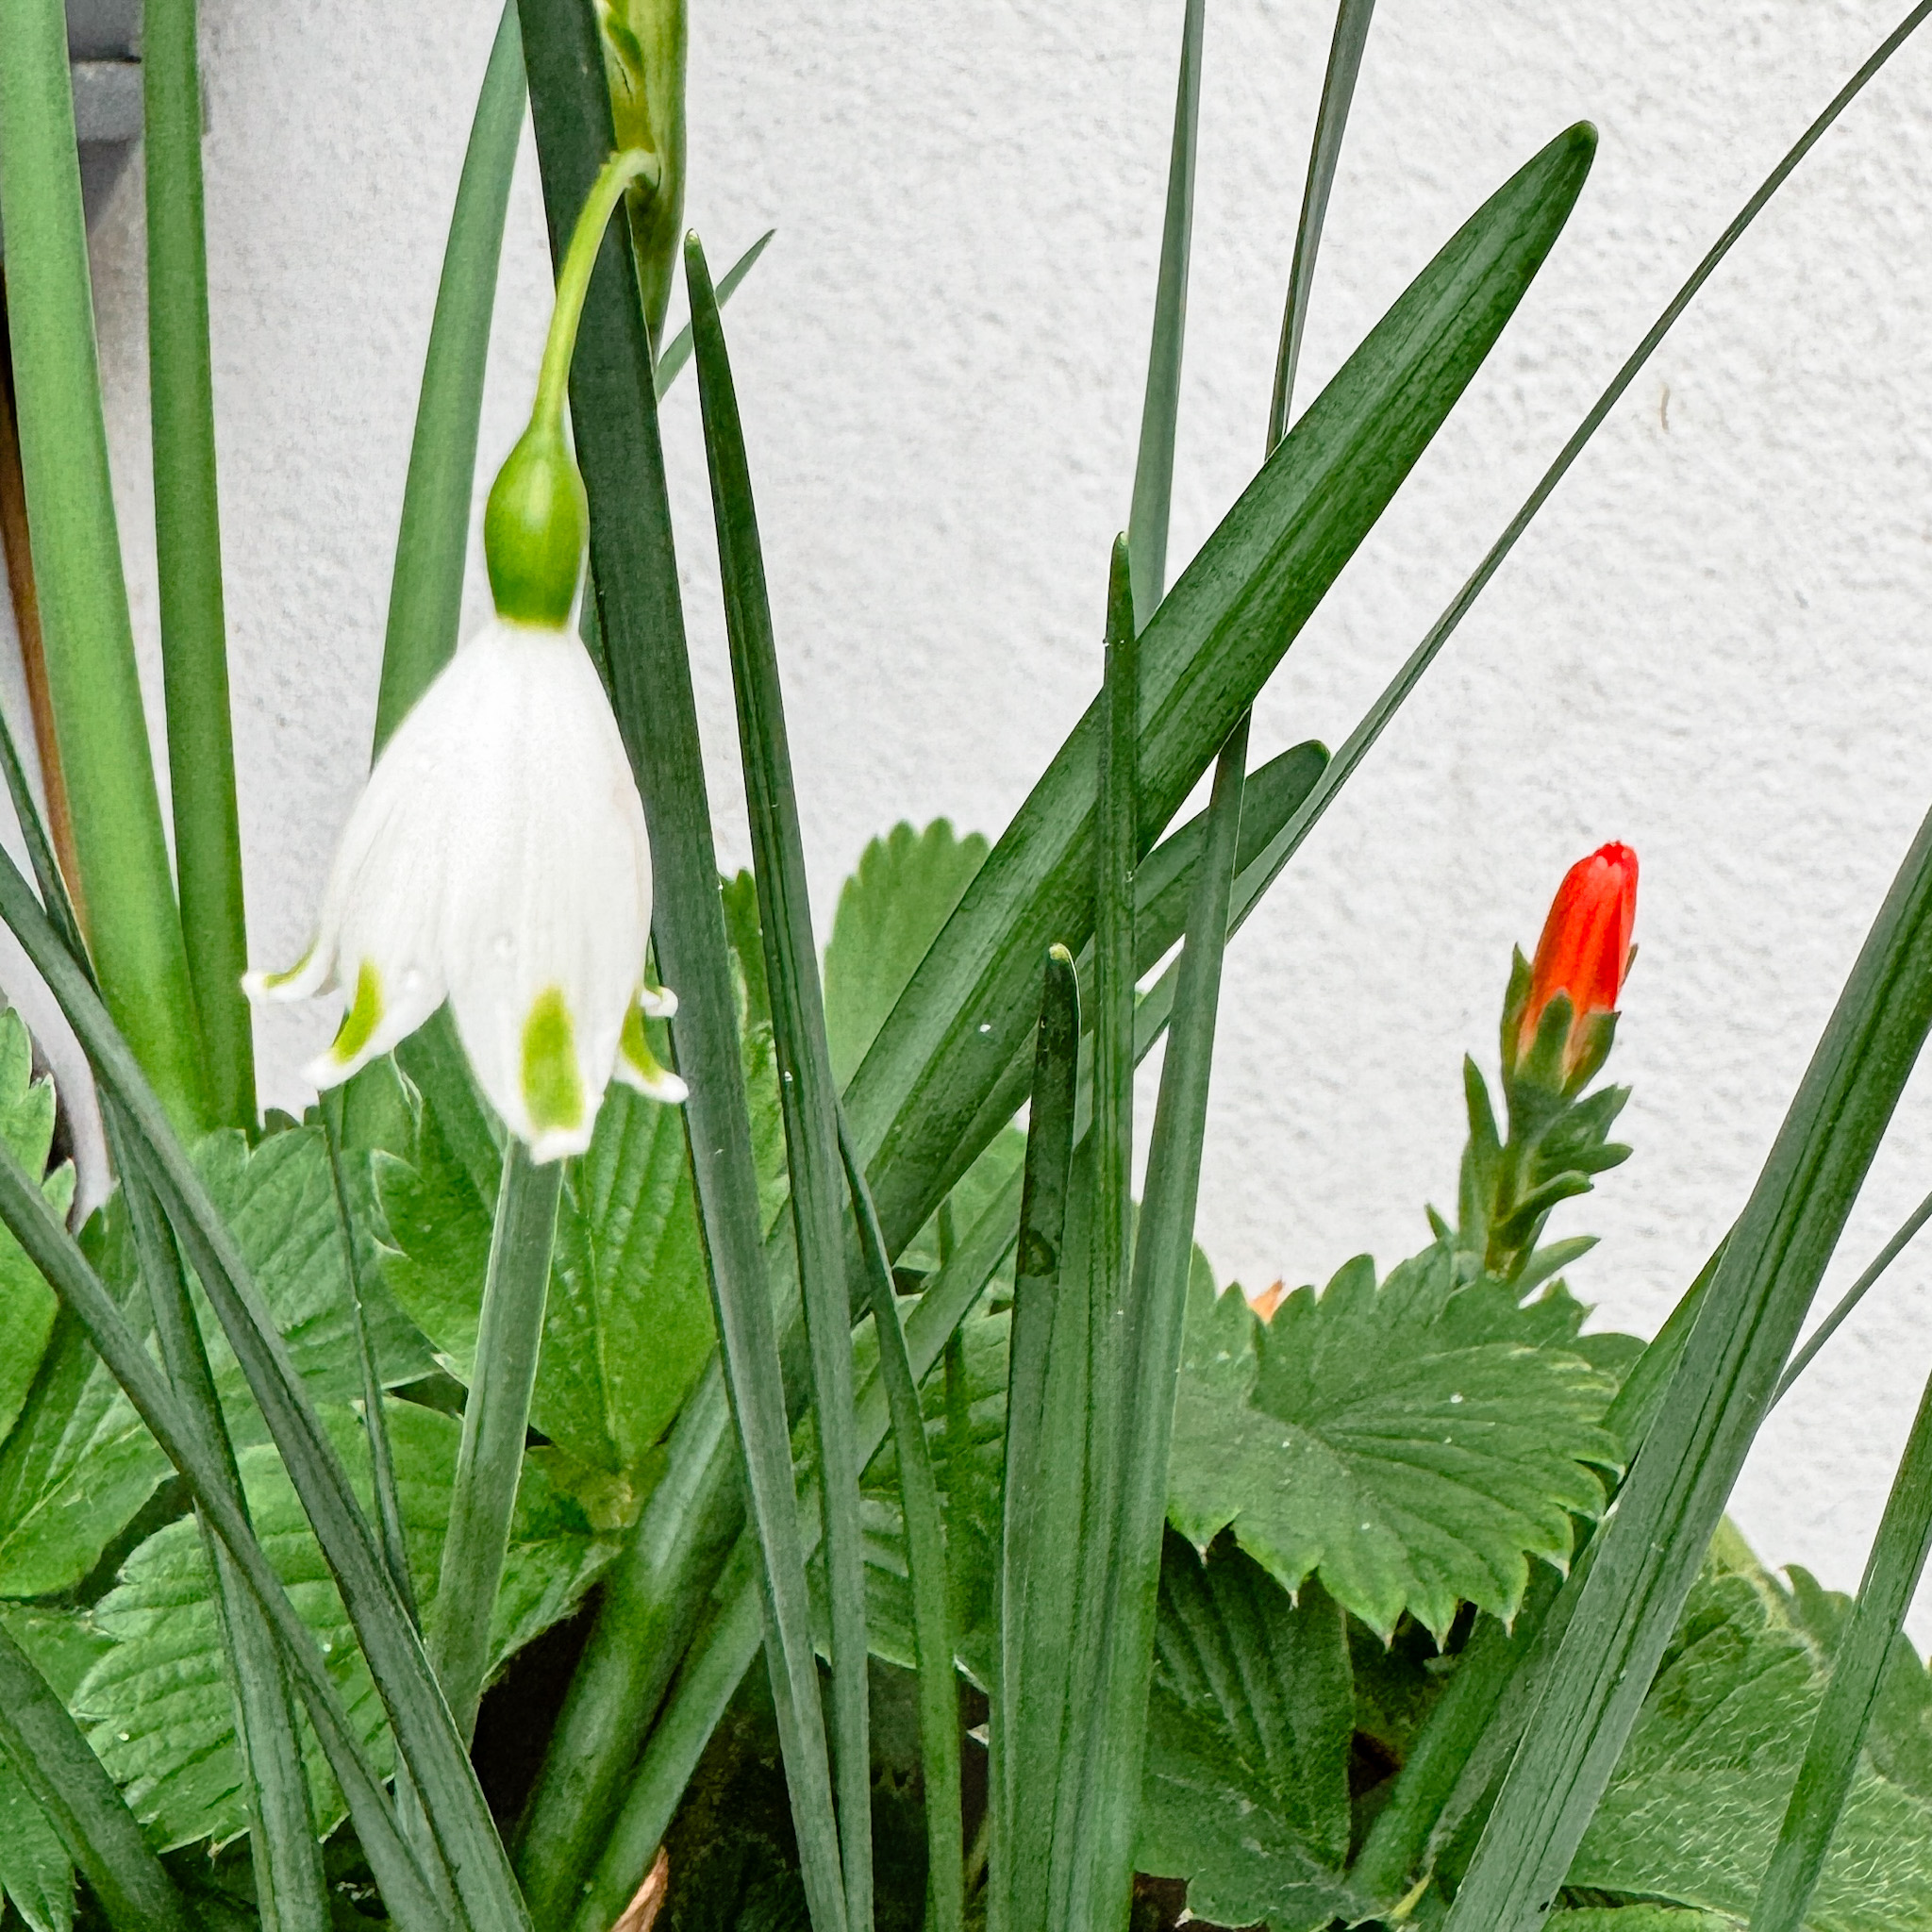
(1585,943)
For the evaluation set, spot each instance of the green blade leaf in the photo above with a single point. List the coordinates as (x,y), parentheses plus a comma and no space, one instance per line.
(809,1098)
(496,1419)
(1400,1441)
(1692,1812)
(635,574)
(677,350)
(1204,654)
(1041,1496)
(1829,1776)
(1331,121)
(155,1701)
(1163,1258)
(51,1761)
(187,559)
(925,1551)
(425,598)
(134,929)
(1716,1400)
(1147,527)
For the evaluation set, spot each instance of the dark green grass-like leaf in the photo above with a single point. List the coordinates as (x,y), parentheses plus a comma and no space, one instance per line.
(155,1701)
(927,1569)
(187,559)
(1043,1451)
(920,1104)
(1357,744)
(1206,653)
(425,598)
(286,1855)
(439,1765)
(134,928)
(807,1096)
(1670,1504)
(1331,121)
(727,1644)
(496,1419)
(1157,1316)
(1147,527)
(1692,1813)
(634,569)
(677,350)
(51,1761)
(1860,1665)
(1851,1297)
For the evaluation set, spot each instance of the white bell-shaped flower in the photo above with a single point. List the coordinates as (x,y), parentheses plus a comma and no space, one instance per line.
(497,858)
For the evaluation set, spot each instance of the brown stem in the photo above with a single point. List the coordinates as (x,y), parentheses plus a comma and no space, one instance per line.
(16,548)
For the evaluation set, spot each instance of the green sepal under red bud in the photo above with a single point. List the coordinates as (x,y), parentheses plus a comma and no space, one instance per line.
(535,527)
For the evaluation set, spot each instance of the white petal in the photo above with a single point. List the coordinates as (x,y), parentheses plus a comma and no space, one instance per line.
(554,897)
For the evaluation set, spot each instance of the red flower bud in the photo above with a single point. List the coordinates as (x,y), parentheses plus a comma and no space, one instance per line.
(1585,943)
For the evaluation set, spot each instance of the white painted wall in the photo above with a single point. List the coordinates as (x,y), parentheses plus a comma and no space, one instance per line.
(1712,644)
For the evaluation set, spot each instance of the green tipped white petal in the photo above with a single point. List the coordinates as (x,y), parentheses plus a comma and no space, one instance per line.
(497,857)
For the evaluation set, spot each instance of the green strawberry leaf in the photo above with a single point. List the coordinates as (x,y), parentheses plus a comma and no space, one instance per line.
(628,1326)
(157,1703)
(890,913)
(1413,1443)
(1248,1722)
(80,1463)
(28,1305)
(35,1872)
(1694,1807)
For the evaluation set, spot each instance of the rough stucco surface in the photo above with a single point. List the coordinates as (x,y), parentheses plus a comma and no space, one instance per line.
(1713,644)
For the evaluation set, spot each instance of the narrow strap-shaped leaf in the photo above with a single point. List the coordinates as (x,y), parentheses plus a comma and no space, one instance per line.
(1206,652)
(1164,1255)
(677,350)
(1844,1713)
(382,1470)
(287,1851)
(1358,743)
(1148,525)
(928,1096)
(635,572)
(496,1420)
(1851,1297)
(1331,121)
(727,1644)
(44,1746)
(134,928)
(807,1096)
(1675,1495)
(425,598)
(425,1735)
(1042,1491)
(55,1252)
(925,1562)
(187,559)
(1070,1769)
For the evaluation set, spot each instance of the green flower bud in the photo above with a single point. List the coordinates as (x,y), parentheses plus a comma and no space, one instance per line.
(533,529)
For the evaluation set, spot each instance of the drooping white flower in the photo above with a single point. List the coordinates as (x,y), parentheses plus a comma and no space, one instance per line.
(497,858)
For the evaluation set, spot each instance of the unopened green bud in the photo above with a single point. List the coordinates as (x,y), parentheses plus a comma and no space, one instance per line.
(533,529)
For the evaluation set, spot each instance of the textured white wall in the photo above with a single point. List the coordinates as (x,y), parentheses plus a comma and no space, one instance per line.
(1711,646)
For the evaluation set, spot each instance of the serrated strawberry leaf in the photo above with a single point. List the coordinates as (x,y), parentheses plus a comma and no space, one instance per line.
(1411,1442)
